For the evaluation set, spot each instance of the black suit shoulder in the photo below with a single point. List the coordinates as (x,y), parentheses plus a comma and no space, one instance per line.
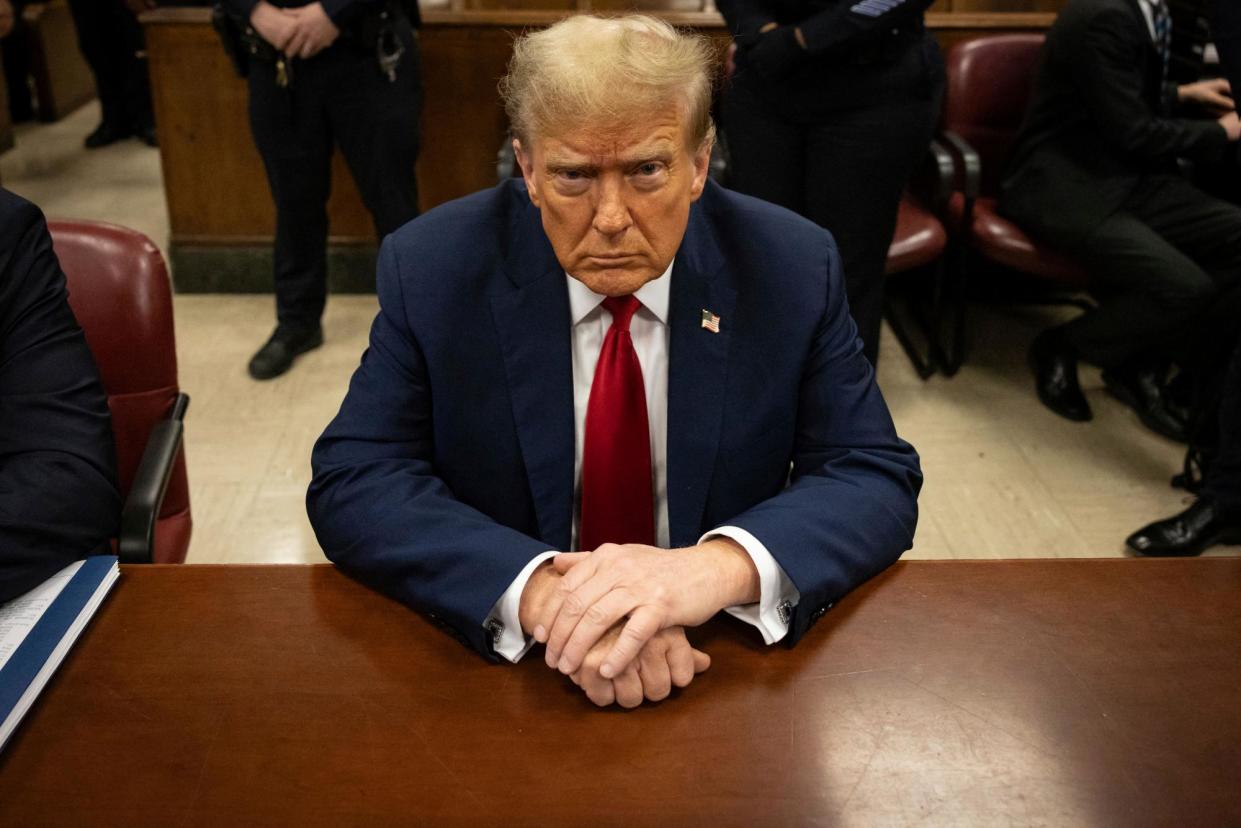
(58,498)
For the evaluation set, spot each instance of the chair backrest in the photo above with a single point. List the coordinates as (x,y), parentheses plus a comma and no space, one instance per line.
(121,295)
(990,80)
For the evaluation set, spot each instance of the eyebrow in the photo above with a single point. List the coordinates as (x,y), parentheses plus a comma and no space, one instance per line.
(662,151)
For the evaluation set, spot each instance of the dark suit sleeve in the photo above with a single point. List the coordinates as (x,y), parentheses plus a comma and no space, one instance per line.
(847,23)
(58,496)
(744,17)
(1110,68)
(1226,31)
(830,30)
(380,511)
(341,11)
(851,506)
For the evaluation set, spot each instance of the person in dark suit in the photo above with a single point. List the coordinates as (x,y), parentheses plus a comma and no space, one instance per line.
(616,359)
(831,106)
(1094,173)
(58,496)
(111,40)
(336,73)
(1215,516)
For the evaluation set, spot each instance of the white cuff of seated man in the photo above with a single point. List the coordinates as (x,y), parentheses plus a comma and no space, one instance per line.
(777,594)
(504,620)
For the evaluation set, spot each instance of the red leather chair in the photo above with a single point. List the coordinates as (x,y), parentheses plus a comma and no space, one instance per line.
(990,80)
(919,245)
(120,293)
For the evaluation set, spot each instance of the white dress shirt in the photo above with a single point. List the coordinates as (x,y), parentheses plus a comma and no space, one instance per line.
(1148,11)
(650,333)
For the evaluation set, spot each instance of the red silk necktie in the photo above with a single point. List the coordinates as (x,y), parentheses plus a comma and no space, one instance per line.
(617,504)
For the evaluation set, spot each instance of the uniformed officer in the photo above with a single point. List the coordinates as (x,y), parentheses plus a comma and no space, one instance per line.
(832,104)
(335,72)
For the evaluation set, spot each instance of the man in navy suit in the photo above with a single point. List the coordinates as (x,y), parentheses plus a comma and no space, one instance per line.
(619,362)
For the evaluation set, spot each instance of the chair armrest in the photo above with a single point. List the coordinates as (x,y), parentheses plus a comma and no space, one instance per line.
(968,173)
(146,496)
(935,179)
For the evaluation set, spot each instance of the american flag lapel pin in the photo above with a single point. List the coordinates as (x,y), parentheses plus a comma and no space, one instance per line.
(710,321)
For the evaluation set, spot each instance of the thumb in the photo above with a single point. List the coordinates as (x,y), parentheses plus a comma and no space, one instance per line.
(567,560)
(701,661)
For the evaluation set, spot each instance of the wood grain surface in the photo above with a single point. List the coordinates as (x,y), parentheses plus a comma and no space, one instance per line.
(1050,692)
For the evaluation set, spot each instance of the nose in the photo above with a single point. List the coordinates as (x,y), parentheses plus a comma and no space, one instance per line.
(611,213)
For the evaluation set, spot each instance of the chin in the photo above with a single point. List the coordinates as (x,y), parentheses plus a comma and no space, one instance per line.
(617,282)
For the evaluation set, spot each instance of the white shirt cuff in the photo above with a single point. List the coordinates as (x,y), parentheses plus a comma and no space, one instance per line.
(777,594)
(504,620)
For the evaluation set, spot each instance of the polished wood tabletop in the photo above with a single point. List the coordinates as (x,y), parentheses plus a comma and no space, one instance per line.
(1058,692)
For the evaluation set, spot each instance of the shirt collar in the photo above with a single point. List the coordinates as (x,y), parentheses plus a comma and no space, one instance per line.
(654,296)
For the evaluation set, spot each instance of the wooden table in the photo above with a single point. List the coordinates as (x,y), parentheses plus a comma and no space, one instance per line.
(948,693)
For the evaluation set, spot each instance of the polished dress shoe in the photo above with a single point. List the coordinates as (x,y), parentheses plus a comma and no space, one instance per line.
(146,134)
(1055,376)
(1200,526)
(285,345)
(1142,391)
(106,134)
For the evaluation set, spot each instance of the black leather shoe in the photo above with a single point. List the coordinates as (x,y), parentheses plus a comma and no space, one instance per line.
(1055,376)
(105,134)
(146,134)
(277,356)
(1193,530)
(1141,391)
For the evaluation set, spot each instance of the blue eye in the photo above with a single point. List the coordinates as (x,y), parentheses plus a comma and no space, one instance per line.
(649,168)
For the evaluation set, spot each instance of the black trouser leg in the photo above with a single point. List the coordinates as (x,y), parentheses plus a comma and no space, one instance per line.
(766,153)
(293,137)
(375,122)
(845,171)
(15,51)
(137,81)
(1158,264)
(1223,481)
(857,167)
(110,38)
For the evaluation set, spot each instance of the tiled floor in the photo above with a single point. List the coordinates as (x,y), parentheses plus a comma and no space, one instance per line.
(1004,476)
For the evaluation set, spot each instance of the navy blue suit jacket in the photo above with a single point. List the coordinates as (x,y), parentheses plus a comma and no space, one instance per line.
(450,463)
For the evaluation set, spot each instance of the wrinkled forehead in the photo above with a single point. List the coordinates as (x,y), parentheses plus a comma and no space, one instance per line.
(657,134)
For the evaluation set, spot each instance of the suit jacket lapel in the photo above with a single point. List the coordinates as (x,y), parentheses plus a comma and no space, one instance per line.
(697,375)
(533,325)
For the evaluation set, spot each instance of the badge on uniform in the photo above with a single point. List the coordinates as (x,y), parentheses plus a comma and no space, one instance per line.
(710,321)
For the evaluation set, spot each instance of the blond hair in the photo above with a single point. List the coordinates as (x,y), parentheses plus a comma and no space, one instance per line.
(589,69)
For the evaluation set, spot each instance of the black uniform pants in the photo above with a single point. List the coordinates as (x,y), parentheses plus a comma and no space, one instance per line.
(16,56)
(338,97)
(1156,266)
(1223,480)
(845,171)
(111,39)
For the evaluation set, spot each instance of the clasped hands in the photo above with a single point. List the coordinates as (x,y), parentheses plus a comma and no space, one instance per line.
(614,619)
(302,32)
(1215,96)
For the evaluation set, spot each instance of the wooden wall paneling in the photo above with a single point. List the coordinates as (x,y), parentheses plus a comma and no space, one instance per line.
(62,79)
(1005,6)
(463,121)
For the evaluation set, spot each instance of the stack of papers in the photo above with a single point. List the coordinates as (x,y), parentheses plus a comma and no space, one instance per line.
(38,628)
